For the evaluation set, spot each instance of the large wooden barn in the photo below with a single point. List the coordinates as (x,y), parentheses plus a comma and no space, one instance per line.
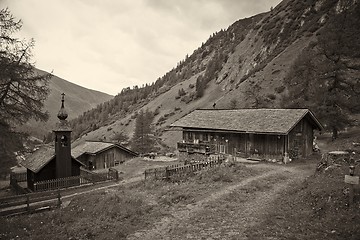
(100,155)
(249,133)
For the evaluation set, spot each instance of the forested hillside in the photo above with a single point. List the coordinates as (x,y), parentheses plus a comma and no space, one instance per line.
(289,56)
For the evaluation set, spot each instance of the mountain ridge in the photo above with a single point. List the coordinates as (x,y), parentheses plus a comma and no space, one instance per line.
(78,99)
(244,66)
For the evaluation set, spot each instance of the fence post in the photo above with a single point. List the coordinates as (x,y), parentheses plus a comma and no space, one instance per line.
(27,203)
(167,173)
(117,175)
(59,197)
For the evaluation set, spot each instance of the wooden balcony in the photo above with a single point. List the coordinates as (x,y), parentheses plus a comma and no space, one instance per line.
(202,148)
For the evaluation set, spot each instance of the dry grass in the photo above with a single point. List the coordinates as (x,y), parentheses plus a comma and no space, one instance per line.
(101,215)
(315,209)
(118,212)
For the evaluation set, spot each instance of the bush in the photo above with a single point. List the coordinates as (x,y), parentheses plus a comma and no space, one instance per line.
(271,96)
(280,89)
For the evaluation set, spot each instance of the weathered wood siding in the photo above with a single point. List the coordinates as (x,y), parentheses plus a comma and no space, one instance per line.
(106,159)
(297,143)
(240,144)
(48,172)
(301,140)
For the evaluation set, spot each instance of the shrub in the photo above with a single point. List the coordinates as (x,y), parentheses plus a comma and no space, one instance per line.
(271,96)
(157,111)
(280,89)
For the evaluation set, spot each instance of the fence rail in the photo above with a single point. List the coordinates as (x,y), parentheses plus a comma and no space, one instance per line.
(86,177)
(167,172)
(29,202)
(60,183)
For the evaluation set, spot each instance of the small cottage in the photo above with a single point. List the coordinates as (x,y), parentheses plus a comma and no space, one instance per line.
(49,162)
(248,133)
(41,166)
(100,155)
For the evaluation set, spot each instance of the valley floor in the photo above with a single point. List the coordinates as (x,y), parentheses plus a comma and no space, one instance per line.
(229,212)
(241,201)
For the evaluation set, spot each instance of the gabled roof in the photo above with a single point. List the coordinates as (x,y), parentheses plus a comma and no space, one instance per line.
(275,121)
(93,147)
(40,158)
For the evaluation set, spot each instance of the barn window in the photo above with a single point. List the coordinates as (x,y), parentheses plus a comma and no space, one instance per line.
(190,136)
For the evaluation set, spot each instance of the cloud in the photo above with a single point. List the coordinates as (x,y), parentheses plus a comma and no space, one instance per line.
(109,45)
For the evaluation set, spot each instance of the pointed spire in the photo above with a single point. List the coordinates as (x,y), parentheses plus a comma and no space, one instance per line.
(62,115)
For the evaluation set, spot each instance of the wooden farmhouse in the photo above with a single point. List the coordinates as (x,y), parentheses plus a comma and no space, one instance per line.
(100,155)
(50,163)
(248,133)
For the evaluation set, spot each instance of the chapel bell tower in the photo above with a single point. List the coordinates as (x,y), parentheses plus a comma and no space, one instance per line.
(63,143)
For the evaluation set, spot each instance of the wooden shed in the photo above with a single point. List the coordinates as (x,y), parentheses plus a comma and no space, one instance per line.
(100,155)
(41,166)
(249,133)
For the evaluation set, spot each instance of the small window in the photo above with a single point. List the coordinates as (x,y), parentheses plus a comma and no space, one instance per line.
(64,141)
(222,149)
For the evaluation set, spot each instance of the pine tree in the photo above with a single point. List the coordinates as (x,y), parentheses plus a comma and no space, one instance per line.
(200,87)
(233,103)
(22,90)
(143,138)
(325,77)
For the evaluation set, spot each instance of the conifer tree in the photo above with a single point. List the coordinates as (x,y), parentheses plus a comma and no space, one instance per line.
(143,138)
(22,89)
(326,78)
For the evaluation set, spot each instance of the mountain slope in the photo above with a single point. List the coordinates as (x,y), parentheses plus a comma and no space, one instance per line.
(245,66)
(77,100)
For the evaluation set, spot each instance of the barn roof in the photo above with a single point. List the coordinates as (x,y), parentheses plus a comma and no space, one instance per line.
(93,147)
(40,158)
(275,121)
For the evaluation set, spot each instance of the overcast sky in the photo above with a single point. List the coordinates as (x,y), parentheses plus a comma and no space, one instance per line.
(107,45)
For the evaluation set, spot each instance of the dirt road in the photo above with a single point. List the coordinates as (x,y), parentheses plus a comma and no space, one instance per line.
(229,212)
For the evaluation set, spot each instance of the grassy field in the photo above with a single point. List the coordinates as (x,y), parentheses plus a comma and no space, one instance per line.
(118,212)
(314,209)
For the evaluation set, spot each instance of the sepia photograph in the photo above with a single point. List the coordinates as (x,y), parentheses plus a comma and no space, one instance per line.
(174,120)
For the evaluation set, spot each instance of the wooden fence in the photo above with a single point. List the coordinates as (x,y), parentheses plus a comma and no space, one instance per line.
(58,183)
(27,203)
(93,176)
(15,185)
(113,174)
(18,176)
(15,178)
(86,177)
(167,172)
